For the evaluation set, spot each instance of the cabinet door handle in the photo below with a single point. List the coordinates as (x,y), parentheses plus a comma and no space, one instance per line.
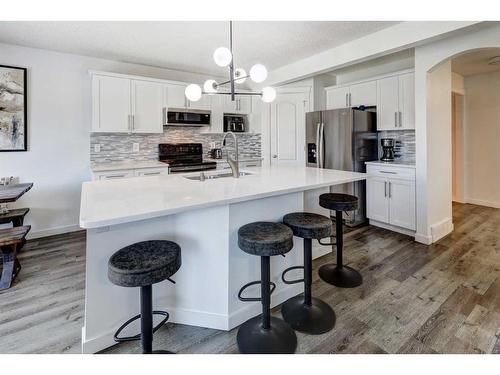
(395,119)
(350,101)
(346,100)
(164,115)
(129,122)
(390,193)
(133,122)
(400,119)
(385,188)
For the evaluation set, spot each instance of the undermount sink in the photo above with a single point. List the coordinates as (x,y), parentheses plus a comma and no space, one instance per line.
(214,176)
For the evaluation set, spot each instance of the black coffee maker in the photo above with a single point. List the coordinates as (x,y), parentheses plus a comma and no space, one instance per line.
(387,149)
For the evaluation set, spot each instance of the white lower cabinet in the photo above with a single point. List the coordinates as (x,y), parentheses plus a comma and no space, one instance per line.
(390,195)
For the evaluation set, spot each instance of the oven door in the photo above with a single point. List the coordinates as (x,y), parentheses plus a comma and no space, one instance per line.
(192,117)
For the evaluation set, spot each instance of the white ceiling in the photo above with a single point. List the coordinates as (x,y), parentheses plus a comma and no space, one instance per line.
(475,62)
(188,45)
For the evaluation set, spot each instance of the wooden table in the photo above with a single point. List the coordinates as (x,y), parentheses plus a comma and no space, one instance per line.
(12,239)
(12,193)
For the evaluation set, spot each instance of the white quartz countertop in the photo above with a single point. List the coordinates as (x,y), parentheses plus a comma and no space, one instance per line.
(116,166)
(111,202)
(396,163)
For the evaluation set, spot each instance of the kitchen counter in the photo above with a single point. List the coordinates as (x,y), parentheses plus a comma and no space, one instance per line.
(112,202)
(396,163)
(117,166)
(203,217)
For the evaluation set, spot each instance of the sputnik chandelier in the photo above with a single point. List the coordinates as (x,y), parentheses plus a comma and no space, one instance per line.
(223,57)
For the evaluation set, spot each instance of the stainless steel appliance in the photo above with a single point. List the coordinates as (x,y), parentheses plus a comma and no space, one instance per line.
(184,157)
(343,139)
(234,123)
(387,149)
(186,117)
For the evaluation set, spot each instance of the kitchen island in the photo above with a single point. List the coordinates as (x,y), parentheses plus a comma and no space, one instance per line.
(203,217)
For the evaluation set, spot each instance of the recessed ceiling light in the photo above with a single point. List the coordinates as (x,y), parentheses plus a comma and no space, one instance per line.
(494,61)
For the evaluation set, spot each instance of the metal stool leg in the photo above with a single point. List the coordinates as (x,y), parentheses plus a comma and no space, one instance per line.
(339,274)
(307,314)
(147,319)
(266,334)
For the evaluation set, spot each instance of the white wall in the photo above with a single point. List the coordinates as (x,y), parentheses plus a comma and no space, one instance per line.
(59,115)
(439,148)
(482,127)
(426,58)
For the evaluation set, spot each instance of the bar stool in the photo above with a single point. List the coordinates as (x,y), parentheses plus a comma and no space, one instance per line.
(304,313)
(265,334)
(339,274)
(141,265)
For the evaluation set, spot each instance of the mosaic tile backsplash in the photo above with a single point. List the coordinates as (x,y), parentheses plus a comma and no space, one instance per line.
(404,144)
(118,147)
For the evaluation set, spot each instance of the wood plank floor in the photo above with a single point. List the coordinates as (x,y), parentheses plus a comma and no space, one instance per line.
(443,298)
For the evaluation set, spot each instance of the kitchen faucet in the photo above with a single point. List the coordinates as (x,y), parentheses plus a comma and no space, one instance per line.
(233,163)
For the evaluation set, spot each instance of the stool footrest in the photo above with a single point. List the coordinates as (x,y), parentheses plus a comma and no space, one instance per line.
(138,336)
(253,299)
(292,281)
(331,243)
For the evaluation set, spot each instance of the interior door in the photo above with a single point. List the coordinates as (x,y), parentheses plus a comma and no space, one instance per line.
(402,210)
(147,104)
(377,201)
(387,103)
(288,128)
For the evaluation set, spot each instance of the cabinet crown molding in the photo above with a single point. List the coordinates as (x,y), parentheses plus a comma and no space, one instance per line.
(374,78)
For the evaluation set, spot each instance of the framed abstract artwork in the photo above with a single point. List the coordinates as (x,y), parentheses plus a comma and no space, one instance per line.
(13,109)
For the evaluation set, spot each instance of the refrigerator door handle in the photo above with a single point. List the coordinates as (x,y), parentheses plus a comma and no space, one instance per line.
(318,161)
(322,148)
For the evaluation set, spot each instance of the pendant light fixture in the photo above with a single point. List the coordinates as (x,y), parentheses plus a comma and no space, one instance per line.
(224,57)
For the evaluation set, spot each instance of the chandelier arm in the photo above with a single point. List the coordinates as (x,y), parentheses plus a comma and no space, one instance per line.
(226,82)
(233,93)
(231,65)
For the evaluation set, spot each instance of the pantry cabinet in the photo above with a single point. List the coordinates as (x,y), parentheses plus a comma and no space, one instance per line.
(390,196)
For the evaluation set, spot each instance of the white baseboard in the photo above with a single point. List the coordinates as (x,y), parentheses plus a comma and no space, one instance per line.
(52,231)
(441,229)
(423,238)
(394,228)
(480,202)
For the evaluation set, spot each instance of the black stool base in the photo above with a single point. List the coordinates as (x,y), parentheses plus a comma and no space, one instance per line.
(161,352)
(253,339)
(314,319)
(343,277)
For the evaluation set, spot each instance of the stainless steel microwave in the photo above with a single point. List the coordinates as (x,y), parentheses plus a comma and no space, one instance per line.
(187,117)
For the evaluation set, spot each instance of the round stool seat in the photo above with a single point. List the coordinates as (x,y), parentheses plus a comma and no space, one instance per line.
(308,225)
(338,202)
(265,238)
(144,263)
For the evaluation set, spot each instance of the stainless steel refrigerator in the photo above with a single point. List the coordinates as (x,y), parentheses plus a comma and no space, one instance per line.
(343,139)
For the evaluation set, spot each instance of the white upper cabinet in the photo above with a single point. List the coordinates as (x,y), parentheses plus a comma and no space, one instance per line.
(111,104)
(175,97)
(363,94)
(407,101)
(387,103)
(241,104)
(396,102)
(147,103)
(337,97)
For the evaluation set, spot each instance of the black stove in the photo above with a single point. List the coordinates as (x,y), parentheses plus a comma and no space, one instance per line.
(184,157)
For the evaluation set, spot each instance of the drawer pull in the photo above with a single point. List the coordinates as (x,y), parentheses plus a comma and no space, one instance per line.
(151,173)
(388,172)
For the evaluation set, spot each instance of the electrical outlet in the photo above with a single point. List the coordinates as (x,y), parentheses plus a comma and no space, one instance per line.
(212,144)
(135,147)
(97,147)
